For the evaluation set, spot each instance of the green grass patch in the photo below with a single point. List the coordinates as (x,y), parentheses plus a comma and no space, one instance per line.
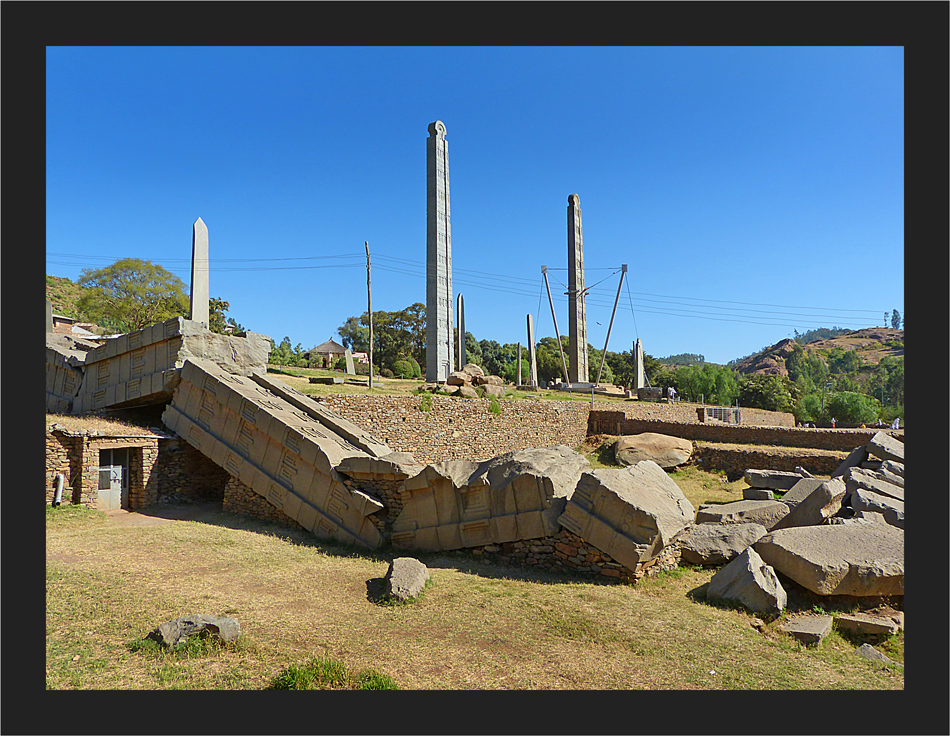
(325,673)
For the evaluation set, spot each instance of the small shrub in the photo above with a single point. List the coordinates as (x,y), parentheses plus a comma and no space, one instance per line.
(426,403)
(402,369)
(494,406)
(386,373)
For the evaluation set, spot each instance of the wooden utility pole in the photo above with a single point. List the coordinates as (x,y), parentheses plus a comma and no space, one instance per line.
(623,270)
(369,308)
(557,334)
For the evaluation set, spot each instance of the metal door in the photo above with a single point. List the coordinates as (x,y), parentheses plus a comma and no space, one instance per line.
(113,479)
(110,488)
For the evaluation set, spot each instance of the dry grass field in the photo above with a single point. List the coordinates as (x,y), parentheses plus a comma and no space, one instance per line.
(110,579)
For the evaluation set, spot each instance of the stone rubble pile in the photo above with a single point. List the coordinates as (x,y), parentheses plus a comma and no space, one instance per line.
(469,382)
(838,537)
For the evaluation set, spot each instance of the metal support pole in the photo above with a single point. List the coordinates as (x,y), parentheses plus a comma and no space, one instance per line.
(557,333)
(623,271)
(369,309)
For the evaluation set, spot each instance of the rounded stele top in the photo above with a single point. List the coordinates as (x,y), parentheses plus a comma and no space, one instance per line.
(437,129)
(573,199)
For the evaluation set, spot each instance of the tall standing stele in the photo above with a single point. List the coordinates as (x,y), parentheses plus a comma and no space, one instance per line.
(200,310)
(440,357)
(576,298)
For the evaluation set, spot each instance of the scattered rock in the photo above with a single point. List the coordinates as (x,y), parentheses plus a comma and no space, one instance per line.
(857,456)
(808,629)
(776,480)
(858,559)
(819,505)
(666,451)
(405,578)
(800,491)
(885,447)
(757,494)
(174,633)
(458,378)
(802,472)
(864,623)
(766,513)
(856,478)
(717,544)
(869,652)
(749,581)
(493,389)
(467,391)
(890,508)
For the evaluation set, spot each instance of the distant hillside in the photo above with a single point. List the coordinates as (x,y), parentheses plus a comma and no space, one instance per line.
(63,294)
(872,345)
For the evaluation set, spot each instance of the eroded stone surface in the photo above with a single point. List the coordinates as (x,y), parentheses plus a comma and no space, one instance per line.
(280,451)
(629,514)
(860,558)
(890,508)
(462,503)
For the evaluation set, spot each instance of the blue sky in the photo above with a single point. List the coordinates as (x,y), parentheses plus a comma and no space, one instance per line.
(750,191)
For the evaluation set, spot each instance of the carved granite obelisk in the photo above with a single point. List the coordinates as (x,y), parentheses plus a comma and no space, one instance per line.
(532,356)
(440,356)
(460,331)
(576,299)
(200,291)
(639,374)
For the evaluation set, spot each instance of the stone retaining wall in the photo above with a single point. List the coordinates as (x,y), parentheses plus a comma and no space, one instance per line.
(619,423)
(735,460)
(463,429)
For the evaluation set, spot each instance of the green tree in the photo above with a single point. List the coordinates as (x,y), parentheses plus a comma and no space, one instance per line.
(282,354)
(849,407)
(396,335)
(218,322)
(896,320)
(131,294)
(844,361)
(770,392)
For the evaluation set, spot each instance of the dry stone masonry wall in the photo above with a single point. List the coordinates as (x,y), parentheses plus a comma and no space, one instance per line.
(464,429)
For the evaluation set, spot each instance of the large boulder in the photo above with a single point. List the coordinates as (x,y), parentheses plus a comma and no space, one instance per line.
(629,514)
(749,581)
(492,389)
(766,513)
(885,447)
(405,578)
(717,544)
(858,559)
(666,451)
(458,378)
(473,370)
(822,503)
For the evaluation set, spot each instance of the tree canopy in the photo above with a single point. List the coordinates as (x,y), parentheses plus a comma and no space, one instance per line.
(132,294)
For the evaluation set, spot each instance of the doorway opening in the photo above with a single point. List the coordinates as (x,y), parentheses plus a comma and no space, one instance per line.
(113,479)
